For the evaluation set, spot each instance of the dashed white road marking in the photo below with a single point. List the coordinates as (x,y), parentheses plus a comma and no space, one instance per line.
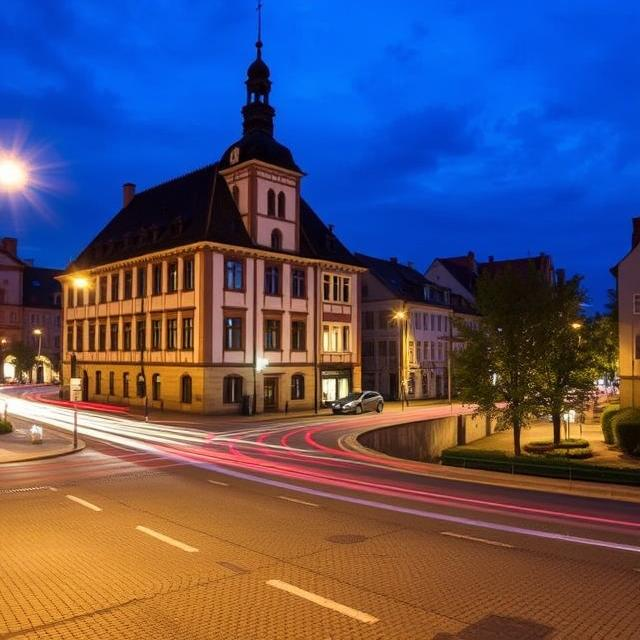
(52,489)
(84,503)
(217,482)
(167,539)
(494,543)
(308,504)
(323,602)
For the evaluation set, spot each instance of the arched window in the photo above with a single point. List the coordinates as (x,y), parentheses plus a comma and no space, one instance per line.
(155,386)
(276,239)
(236,194)
(98,382)
(185,389)
(297,387)
(271,203)
(141,386)
(281,204)
(232,389)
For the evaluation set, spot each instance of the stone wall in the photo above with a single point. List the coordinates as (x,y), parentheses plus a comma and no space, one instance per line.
(426,439)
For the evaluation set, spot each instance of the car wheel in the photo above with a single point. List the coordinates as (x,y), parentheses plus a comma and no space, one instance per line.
(358,409)
(379,407)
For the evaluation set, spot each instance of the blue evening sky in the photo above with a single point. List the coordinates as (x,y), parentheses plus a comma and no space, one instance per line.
(426,128)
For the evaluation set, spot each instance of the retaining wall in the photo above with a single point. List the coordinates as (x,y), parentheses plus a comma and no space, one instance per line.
(425,440)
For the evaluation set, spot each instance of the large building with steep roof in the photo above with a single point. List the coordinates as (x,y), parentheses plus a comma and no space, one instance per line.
(217,288)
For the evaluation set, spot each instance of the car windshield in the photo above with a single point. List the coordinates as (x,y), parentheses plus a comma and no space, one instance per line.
(350,397)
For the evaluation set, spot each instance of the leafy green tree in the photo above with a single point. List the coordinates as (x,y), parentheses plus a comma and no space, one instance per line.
(25,359)
(569,366)
(500,367)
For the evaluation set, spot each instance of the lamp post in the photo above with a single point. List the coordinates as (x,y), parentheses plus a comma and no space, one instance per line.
(38,333)
(3,346)
(400,317)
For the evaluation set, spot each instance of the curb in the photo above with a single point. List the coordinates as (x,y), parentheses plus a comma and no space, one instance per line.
(582,488)
(52,454)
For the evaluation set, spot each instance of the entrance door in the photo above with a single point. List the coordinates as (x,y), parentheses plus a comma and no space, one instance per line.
(270,394)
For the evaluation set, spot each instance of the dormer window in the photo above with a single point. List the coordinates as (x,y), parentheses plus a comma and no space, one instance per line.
(281,204)
(276,239)
(271,203)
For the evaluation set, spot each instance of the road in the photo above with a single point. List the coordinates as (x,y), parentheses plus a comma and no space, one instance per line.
(273,530)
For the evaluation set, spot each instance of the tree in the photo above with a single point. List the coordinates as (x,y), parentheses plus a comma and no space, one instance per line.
(499,369)
(569,366)
(25,359)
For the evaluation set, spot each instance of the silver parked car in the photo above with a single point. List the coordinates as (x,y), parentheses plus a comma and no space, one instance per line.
(359,402)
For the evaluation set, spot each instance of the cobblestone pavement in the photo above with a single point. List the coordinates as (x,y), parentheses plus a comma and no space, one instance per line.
(69,570)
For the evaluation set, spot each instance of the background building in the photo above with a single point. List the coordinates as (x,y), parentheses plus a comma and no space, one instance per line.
(407,330)
(30,313)
(217,285)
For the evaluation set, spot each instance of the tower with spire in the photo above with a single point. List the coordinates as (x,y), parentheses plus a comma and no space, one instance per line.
(261,172)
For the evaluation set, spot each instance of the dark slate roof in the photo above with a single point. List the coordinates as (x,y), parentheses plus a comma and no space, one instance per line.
(403,281)
(183,211)
(261,145)
(463,269)
(193,207)
(39,287)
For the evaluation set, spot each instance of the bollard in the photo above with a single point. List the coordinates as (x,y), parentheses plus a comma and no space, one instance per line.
(36,434)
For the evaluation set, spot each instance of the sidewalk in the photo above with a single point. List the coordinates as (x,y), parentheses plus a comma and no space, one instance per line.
(16,446)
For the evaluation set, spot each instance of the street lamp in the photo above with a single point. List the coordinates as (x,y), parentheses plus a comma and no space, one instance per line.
(3,346)
(400,317)
(38,332)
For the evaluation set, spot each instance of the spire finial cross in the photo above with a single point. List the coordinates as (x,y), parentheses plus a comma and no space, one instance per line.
(259,10)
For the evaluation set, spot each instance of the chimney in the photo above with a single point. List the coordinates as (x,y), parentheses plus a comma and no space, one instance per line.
(490,258)
(128,191)
(635,238)
(410,264)
(10,245)
(394,260)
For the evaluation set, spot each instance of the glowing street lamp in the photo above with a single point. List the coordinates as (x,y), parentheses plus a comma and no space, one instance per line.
(401,316)
(38,332)
(14,174)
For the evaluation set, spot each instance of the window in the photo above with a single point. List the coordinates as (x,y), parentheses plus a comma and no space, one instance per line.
(102,288)
(92,294)
(336,288)
(336,338)
(115,287)
(233,334)
(298,335)
(188,274)
(113,345)
(272,280)
(92,337)
(156,334)
(112,383)
(382,349)
(271,203)
(271,334)
(282,204)
(297,387)
(128,284)
(346,339)
(638,347)
(172,334)
(125,384)
(368,349)
(141,386)
(235,192)
(185,389)
(126,336)
(276,239)
(70,297)
(79,337)
(142,282)
(636,303)
(98,382)
(234,275)
(141,338)
(155,386)
(412,351)
(102,337)
(172,277)
(232,389)
(156,279)
(367,320)
(80,297)
(187,333)
(298,283)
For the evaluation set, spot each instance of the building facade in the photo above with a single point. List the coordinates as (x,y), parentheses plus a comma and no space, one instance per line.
(627,273)
(30,314)
(218,287)
(408,331)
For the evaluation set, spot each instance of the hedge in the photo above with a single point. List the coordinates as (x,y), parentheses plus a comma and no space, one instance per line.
(607,416)
(5,427)
(550,467)
(628,435)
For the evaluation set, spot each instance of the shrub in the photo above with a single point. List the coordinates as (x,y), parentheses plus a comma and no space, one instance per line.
(573,443)
(605,421)
(538,447)
(579,453)
(628,435)
(5,427)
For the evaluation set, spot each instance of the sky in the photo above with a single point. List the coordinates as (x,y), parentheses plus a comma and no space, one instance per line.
(425,129)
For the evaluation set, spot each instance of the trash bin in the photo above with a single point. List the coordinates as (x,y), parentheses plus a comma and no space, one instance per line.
(247,405)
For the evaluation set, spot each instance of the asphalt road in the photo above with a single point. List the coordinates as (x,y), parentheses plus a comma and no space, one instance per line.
(273,530)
